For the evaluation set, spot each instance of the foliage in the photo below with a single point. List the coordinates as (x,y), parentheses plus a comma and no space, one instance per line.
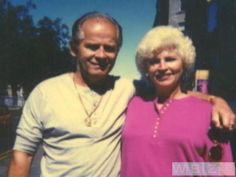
(30,53)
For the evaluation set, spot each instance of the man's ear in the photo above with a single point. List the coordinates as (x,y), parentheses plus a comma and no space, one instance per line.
(73,50)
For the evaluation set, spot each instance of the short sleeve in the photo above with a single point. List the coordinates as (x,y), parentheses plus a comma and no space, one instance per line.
(29,129)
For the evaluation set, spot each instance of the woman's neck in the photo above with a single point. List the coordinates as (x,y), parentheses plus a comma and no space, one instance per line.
(172,93)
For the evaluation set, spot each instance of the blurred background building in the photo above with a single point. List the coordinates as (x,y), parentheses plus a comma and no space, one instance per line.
(212,26)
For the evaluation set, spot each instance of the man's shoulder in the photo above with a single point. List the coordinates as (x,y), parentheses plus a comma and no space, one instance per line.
(51,82)
(119,84)
(49,85)
(124,80)
(120,81)
(49,88)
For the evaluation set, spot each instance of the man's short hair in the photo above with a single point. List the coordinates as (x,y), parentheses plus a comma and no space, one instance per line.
(77,30)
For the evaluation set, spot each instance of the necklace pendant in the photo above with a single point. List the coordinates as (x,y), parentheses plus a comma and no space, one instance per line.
(88,121)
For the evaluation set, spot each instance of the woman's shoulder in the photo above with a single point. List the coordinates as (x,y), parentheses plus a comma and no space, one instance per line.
(198,102)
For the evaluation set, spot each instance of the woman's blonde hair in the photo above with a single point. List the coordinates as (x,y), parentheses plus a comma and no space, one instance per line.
(165,38)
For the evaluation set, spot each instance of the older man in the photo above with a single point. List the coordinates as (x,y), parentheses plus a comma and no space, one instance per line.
(78,116)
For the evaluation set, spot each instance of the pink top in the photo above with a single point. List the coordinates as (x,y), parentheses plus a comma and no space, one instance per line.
(153,139)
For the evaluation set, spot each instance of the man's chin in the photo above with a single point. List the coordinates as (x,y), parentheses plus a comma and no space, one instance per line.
(98,76)
(100,72)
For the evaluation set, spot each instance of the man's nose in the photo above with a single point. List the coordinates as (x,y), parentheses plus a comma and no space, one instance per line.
(101,53)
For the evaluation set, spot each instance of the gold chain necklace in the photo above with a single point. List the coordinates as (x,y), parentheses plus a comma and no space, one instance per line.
(89,120)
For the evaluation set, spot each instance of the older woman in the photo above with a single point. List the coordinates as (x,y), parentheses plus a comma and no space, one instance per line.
(168,125)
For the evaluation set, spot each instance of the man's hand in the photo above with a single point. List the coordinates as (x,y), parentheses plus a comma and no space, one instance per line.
(222,115)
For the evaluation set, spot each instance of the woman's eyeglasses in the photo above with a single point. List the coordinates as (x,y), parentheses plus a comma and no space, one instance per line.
(215,153)
(217,136)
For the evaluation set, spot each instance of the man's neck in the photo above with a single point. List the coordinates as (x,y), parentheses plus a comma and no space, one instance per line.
(96,85)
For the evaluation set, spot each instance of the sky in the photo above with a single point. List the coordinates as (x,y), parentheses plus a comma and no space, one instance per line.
(135,16)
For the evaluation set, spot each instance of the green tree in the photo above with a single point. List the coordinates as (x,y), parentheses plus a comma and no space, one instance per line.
(30,53)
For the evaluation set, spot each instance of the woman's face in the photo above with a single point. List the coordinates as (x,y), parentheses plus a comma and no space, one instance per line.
(165,69)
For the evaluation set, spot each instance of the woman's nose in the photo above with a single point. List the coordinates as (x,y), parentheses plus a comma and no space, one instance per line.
(162,65)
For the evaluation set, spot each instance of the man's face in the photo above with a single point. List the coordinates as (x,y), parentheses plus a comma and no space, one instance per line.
(96,52)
